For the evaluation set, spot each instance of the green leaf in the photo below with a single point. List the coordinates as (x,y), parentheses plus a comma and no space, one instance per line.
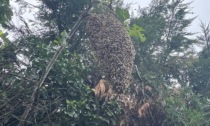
(61,39)
(136,31)
(55,42)
(3,36)
(64,34)
(122,14)
(1,33)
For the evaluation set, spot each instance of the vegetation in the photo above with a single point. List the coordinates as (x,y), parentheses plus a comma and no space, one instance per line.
(50,76)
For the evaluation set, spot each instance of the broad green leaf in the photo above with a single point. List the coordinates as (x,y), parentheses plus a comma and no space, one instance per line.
(136,31)
(64,34)
(122,14)
(61,38)
(3,36)
(55,42)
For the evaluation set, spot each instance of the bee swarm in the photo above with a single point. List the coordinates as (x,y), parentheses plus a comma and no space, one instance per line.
(113,48)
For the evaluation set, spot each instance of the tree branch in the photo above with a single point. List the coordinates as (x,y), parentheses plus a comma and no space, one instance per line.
(140,79)
(49,66)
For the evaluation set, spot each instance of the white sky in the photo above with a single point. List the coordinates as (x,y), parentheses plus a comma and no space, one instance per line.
(201,8)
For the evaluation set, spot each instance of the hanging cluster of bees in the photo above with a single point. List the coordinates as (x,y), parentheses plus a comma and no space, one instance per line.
(114,54)
(113,48)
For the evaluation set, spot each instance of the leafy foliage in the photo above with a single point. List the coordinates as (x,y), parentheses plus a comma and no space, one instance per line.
(199,70)
(165,58)
(168,81)
(5,12)
(136,31)
(122,14)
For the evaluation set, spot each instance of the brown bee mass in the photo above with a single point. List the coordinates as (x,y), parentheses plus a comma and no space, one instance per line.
(113,48)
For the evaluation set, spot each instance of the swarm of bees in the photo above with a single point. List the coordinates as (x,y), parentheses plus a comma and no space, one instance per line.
(113,48)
